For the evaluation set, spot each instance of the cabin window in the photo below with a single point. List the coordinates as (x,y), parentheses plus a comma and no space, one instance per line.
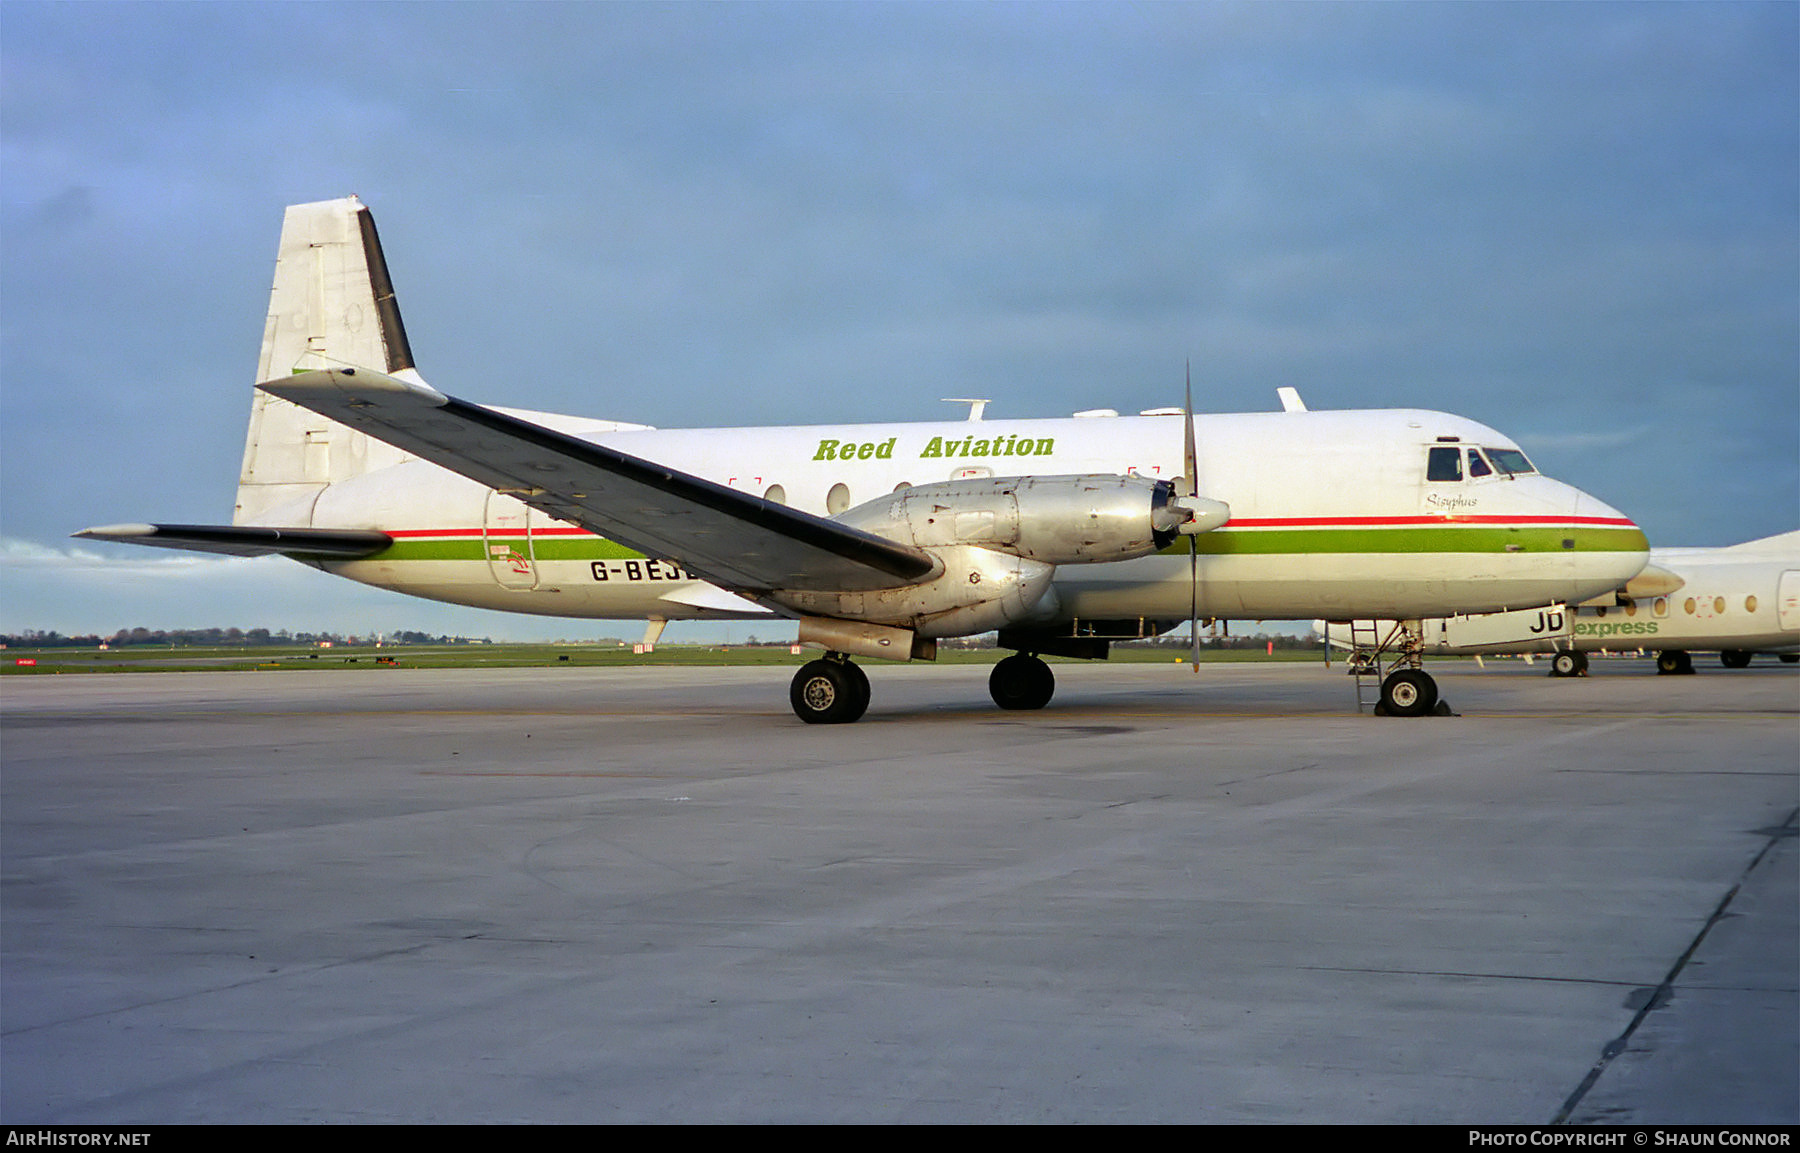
(1750,603)
(1510,461)
(1478,465)
(1444,464)
(776,494)
(837,500)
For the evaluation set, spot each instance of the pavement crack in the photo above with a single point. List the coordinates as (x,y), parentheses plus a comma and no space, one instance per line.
(1655,997)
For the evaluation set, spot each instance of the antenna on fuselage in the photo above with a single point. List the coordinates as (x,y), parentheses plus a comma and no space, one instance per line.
(976,406)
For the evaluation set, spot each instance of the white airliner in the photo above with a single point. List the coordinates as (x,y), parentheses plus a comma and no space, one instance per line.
(1738,602)
(878,539)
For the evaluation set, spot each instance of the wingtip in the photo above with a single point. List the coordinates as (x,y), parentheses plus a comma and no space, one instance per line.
(315,375)
(115,531)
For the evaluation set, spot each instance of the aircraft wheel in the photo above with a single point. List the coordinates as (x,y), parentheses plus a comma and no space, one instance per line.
(1569,664)
(1674,661)
(861,680)
(1409,693)
(1790,658)
(1021,681)
(1734,659)
(829,693)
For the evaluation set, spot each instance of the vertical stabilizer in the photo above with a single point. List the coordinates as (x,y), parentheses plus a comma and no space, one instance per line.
(332,305)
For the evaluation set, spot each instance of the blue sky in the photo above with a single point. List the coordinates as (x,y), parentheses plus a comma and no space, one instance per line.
(1577,223)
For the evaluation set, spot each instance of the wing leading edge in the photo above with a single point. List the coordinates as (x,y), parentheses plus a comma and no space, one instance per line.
(739,541)
(248,540)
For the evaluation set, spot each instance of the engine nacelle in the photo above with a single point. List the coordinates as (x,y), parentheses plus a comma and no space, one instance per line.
(978,590)
(1052,519)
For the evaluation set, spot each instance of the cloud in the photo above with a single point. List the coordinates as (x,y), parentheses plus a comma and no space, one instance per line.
(1562,217)
(78,590)
(29,556)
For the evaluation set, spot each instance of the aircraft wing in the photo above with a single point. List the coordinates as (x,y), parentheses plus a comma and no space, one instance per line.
(248,540)
(733,539)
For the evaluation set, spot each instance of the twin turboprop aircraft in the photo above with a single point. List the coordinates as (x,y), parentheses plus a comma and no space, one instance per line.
(879,540)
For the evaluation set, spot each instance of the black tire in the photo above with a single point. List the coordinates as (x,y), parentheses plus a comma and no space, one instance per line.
(1409,693)
(1568,664)
(1673,662)
(829,693)
(861,685)
(1021,681)
(1734,659)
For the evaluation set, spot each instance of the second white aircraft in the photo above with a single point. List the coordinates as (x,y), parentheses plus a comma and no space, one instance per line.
(1738,601)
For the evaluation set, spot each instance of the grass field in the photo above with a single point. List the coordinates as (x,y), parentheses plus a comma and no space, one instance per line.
(163,658)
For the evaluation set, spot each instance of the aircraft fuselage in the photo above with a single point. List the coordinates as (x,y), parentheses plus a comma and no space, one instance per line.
(1331,515)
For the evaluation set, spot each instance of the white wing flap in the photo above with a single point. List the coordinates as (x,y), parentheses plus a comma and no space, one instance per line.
(733,539)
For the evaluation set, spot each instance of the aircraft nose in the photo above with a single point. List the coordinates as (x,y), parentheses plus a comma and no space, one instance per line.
(1618,546)
(1588,506)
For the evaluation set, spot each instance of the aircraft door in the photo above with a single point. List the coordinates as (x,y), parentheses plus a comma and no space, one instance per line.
(1787,600)
(506,539)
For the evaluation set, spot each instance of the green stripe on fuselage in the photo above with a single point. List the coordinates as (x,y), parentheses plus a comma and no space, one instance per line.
(1222,542)
(1414,539)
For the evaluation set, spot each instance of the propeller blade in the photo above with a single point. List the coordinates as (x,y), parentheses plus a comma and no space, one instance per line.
(1190,459)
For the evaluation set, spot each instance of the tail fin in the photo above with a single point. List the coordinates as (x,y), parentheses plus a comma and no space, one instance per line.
(332,305)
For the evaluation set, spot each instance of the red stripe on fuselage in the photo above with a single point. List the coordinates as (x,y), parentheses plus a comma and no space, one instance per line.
(1235,522)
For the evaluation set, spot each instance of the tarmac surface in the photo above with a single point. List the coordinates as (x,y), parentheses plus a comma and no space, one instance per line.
(643,895)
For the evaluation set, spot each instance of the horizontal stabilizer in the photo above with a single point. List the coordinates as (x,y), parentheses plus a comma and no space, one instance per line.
(248,540)
(731,538)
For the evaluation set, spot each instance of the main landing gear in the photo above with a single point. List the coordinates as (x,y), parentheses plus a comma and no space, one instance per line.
(1679,663)
(831,691)
(1021,681)
(1674,662)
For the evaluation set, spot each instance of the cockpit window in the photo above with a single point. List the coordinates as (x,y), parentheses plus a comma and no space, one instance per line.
(1478,465)
(1510,461)
(1444,463)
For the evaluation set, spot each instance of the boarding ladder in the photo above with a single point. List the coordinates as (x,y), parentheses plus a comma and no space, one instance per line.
(1365,662)
(1367,643)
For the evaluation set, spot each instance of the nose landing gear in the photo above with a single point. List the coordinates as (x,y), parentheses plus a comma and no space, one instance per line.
(1407,690)
(1408,693)
(1569,663)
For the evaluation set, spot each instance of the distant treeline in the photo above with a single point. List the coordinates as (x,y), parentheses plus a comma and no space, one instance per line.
(222,638)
